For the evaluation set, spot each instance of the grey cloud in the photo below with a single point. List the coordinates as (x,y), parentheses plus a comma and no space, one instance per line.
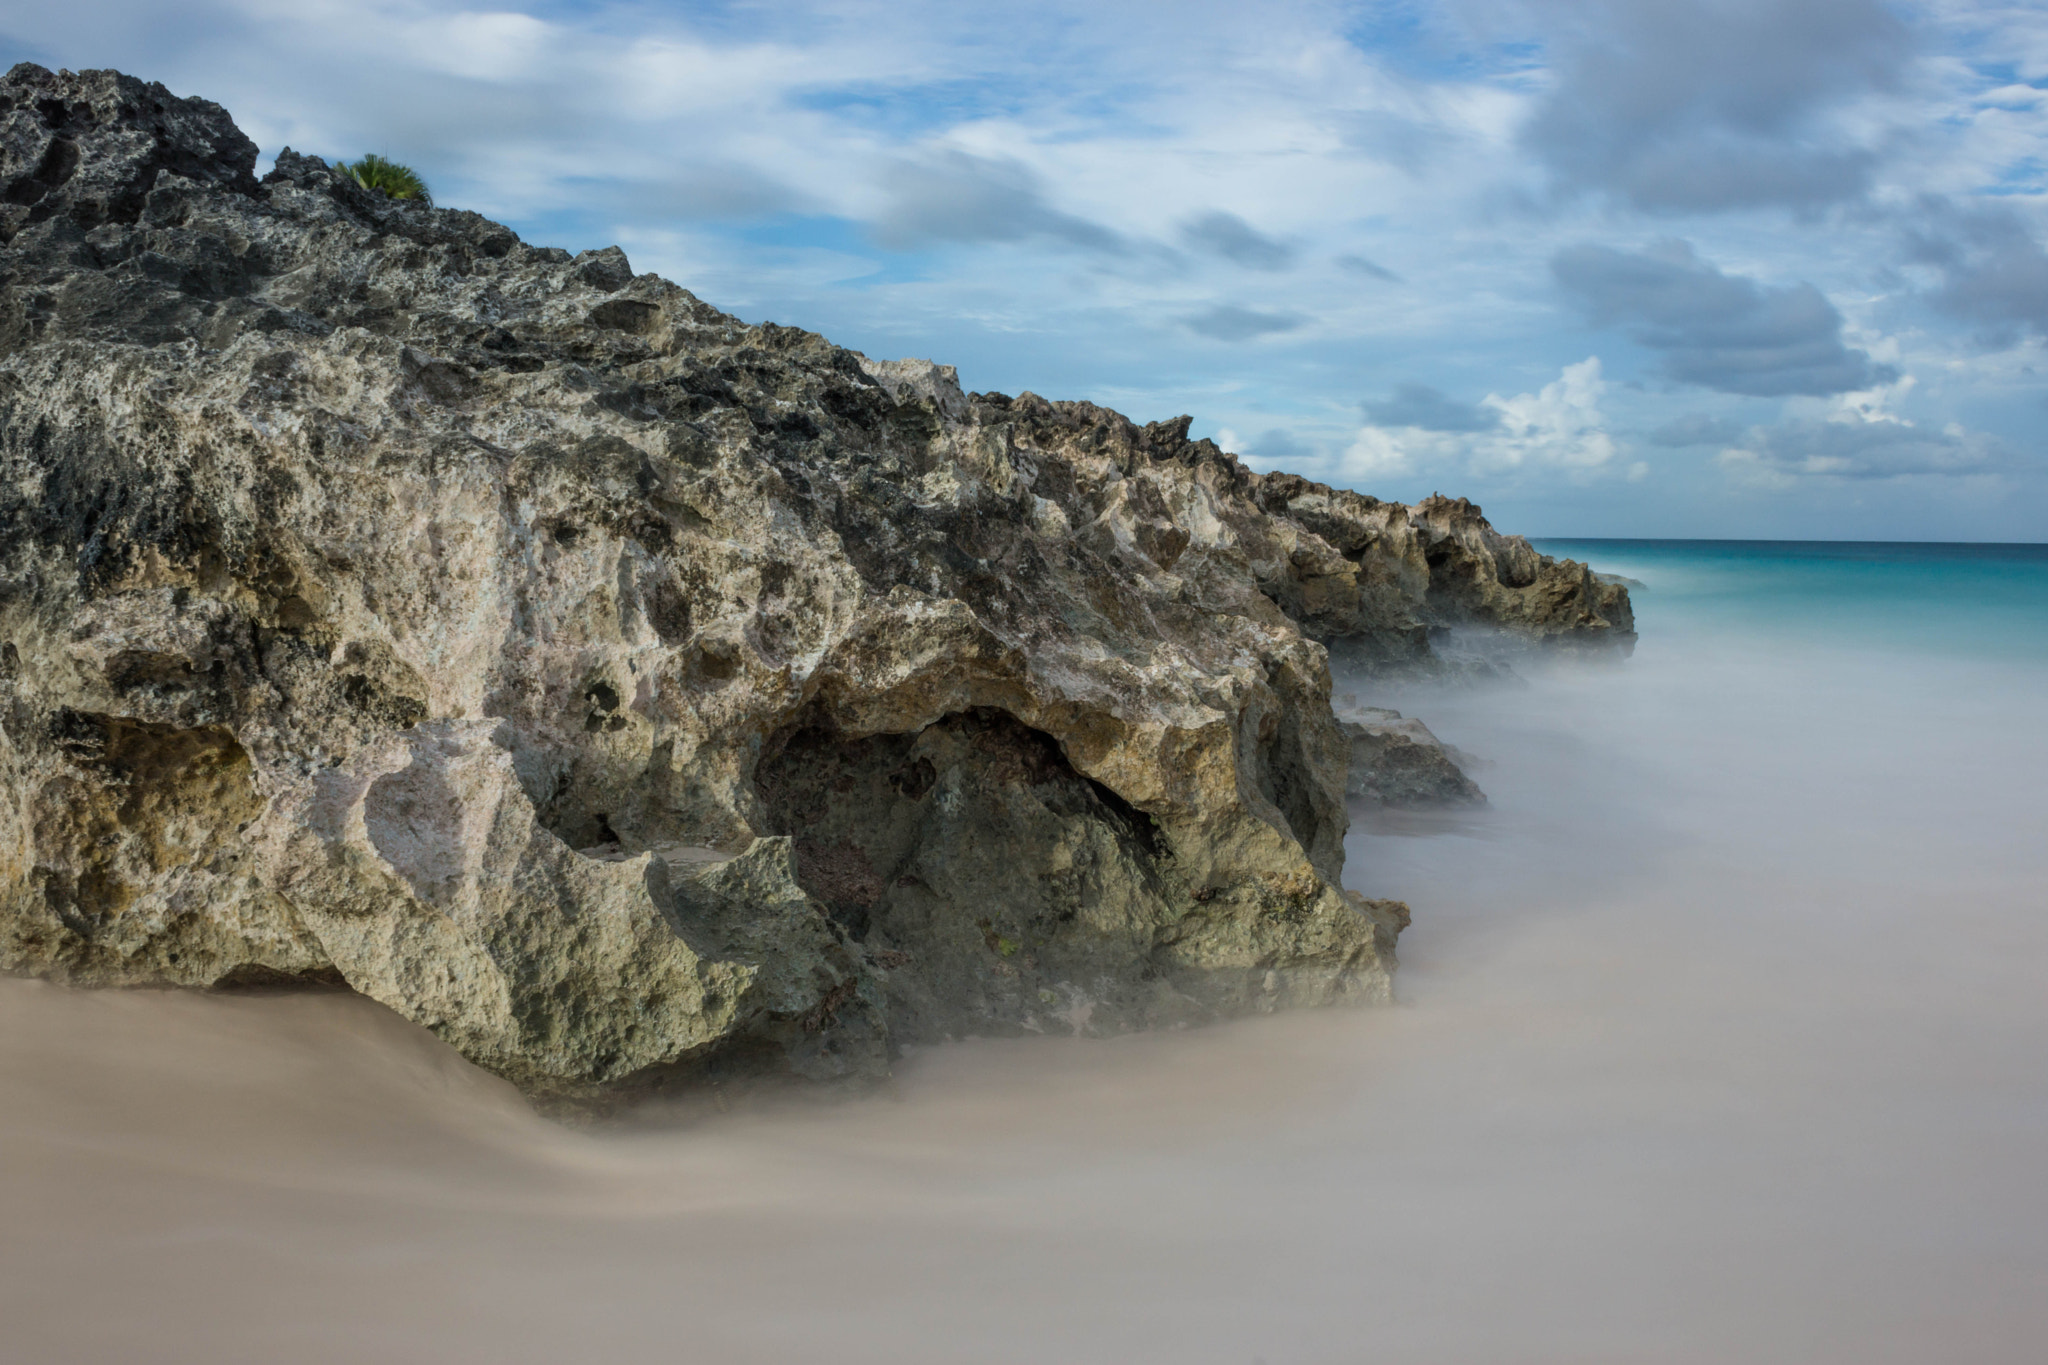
(1228,322)
(1358,265)
(1871,450)
(1724,332)
(1694,429)
(1993,271)
(1232,238)
(954,196)
(1403,142)
(1419,405)
(1278,444)
(711,192)
(1714,104)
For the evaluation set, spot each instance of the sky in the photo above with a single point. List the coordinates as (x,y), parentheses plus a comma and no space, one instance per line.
(1714,268)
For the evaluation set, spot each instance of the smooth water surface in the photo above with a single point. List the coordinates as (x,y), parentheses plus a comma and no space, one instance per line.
(1723,1036)
(1979,600)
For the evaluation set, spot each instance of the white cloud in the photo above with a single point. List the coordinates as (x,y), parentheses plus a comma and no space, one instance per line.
(486,47)
(1877,404)
(1378,453)
(1559,427)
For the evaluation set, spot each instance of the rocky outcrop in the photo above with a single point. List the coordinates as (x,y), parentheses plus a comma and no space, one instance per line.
(624,692)
(1382,584)
(1398,762)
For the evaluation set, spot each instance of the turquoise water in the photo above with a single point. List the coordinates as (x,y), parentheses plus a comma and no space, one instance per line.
(1987,601)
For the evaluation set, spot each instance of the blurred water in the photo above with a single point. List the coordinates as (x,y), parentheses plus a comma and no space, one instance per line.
(1981,600)
(1721,1037)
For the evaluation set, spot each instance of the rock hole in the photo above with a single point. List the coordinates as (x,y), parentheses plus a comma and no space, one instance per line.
(971,853)
(141,798)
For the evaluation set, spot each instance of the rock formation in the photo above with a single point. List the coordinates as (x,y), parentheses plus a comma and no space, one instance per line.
(1399,762)
(624,692)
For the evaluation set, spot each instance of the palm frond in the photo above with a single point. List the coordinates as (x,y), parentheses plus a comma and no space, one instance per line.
(373,172)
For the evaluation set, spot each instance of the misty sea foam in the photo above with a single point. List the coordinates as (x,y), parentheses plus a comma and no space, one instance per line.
(1718,1037)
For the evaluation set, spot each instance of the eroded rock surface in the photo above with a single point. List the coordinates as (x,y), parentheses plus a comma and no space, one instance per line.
(624,692)
(1397,761)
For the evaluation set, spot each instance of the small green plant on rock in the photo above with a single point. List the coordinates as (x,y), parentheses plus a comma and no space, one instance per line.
(373,172)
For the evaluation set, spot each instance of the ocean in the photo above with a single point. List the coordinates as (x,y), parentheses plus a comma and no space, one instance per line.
(1986,601)
(1720,1036)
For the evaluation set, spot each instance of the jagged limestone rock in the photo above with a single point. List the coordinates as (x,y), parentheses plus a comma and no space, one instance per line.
(1399,762)
(360,564)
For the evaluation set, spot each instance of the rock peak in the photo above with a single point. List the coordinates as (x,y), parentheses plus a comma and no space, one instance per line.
(89,146)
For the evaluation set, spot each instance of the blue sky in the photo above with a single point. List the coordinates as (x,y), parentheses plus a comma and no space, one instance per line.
(1712,268)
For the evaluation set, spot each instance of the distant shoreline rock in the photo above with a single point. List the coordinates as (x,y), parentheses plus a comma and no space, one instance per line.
(632,696)
(1398,762)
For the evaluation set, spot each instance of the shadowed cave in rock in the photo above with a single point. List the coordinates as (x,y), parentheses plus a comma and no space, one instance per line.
(973,852)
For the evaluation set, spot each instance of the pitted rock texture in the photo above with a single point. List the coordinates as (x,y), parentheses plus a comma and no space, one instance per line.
(624,692)
(1397,761)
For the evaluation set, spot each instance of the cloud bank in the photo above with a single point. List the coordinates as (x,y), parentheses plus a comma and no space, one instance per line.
(1709,107)
(1262,215)
(1716,330)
